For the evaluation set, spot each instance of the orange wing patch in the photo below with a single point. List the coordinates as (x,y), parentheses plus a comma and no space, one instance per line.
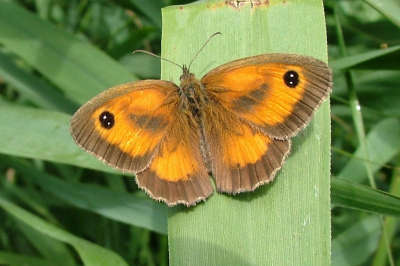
(243,146)
(255,85)
(178,157)
(142,121)
(177,173)
(243,157)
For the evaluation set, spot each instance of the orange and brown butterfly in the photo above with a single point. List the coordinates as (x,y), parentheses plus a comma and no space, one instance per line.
(235,124)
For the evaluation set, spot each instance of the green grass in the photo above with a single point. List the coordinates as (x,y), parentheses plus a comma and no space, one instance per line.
(60,205)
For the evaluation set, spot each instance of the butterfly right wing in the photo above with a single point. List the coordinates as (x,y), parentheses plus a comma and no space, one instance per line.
(258,104)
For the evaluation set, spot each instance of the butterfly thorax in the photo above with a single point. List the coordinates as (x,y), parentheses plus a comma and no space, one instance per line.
(192,96)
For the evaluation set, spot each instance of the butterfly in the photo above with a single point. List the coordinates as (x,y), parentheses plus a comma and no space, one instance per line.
(235,123)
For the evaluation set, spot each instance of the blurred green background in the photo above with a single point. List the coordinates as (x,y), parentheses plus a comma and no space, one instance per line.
(61,193)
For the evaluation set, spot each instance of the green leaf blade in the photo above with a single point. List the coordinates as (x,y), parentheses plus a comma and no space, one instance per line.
(283,223)
(59,55)
(90,254)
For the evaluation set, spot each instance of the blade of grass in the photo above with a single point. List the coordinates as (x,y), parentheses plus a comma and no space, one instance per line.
(118,206)
(58,55)
(35,90)
(358,119)
(388,8)
(56,252)
(352,195)
(355,245)
(378,59)
(384,142)
(90,253)
(354,102)
(151,9)
(381,257)
(8,258)
(40,134)
(287,222)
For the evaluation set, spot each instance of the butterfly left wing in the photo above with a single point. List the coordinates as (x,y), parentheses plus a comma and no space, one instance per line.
(124,125)
(278,93)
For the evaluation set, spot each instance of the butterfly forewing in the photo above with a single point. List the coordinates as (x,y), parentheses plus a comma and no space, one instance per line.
(138,115)
(276,92)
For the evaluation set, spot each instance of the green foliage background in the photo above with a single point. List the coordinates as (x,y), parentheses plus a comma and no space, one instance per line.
(66,208)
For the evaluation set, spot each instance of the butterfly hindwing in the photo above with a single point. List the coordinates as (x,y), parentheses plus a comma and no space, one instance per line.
(242,157)
(177,173)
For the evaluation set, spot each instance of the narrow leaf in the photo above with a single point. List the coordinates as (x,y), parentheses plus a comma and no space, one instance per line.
(40,134)
(130,209)
(58,55)
(288,221)
(357,243)
(352,195)
(377,59)
(383,142)
(90,253)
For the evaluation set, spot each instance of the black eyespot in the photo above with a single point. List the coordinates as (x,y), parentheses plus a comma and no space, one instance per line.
(107,119)
(291,78)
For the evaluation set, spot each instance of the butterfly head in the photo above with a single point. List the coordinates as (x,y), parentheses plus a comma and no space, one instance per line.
(185,73)
(188,80)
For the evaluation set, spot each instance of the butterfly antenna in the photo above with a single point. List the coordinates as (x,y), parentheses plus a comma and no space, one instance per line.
(204,45)
(149,53)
